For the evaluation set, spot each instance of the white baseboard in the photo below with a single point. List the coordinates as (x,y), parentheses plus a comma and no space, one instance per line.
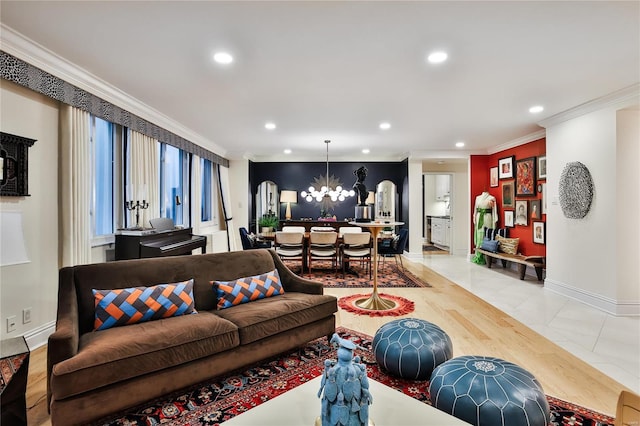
(414,257)
(39,335)
(598,301)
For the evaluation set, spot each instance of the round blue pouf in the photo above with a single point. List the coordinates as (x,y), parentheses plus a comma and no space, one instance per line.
(486,391)
(411,348)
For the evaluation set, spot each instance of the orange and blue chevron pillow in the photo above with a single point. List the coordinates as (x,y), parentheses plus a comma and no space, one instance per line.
(126,306)
(247,289)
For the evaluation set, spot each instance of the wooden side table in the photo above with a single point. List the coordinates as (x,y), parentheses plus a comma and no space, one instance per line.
(14,369)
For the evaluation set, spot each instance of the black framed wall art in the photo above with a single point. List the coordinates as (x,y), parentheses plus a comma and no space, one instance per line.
(14,165)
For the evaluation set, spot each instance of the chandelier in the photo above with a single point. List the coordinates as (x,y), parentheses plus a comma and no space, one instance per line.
(327,191)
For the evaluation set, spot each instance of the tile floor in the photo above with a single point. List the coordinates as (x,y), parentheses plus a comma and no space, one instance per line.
(609,343)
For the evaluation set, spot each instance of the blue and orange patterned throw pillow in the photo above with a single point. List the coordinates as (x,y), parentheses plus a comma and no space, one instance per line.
(247,289)
(126,306)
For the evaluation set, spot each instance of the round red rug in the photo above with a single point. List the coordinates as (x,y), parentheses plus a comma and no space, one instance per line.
(403,306)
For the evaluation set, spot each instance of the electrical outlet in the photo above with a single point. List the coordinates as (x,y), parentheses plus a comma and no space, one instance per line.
(11,323)
(26,315)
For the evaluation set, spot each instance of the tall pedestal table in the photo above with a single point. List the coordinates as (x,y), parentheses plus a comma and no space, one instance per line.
(375,302)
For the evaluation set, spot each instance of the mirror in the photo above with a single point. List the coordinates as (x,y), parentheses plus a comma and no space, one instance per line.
(267,200)
(386,201)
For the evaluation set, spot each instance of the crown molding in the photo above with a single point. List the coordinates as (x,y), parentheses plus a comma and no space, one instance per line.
(519,141)
(628,96)
(23,48)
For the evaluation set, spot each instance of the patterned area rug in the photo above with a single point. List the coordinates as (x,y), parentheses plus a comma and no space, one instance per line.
(389,275)
(8,367)
(214,402)
(402,306)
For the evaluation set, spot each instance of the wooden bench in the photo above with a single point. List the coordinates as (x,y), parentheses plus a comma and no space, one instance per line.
(537,262)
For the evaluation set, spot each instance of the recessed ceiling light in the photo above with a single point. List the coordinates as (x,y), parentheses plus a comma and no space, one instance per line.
(536,109)
(366,151)
(459,144)
(270,126)
(385,126)
(287,151)
(437,57)
(223,58)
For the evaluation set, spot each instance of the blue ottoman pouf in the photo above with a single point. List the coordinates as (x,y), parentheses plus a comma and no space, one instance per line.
(489,392)
(411,348)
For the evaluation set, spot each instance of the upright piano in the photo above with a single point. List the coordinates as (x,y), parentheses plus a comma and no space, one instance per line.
(153,243)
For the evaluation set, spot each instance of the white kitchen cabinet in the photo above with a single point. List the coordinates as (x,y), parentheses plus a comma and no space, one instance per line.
(440,231)
(443,187)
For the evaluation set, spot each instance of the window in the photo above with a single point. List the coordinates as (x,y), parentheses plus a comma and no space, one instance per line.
(102,138)
(206,205)
(174,184)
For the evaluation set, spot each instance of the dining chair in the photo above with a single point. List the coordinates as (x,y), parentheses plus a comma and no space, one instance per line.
(323,246)
(290,247)
(356,245)
(394,247)
(322,228)
(294,229)
(250,242)
(348,230)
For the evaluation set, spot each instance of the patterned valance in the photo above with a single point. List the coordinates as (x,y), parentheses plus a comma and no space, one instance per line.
(24,74)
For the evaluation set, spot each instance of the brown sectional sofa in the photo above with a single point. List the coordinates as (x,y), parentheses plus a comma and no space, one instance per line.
(92,374)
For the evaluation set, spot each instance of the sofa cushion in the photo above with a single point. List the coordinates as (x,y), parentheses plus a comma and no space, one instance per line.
(490,245)
(126,306)
(120,353)
(266,317)
(491,233)
(508,245)
(247,289)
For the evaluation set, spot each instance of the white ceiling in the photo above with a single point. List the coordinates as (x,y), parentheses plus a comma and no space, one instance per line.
(335,70)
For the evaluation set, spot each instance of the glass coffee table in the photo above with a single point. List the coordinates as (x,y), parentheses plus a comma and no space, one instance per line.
(301,406)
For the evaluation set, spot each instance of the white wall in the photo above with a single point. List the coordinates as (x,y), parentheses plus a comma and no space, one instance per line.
(415,208)
(239,183)
(35,284)
(627,224)
(583,254)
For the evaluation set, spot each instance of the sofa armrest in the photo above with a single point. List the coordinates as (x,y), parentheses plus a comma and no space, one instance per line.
(292,282)
(63,343)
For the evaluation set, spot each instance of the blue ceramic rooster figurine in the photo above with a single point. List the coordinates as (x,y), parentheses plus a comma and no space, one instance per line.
(344,388)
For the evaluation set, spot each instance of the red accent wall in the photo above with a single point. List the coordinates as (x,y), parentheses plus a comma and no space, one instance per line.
(480,181)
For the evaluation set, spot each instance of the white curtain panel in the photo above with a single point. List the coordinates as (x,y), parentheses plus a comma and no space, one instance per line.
(144,181)
(225,191)
(196,197)
(75,185)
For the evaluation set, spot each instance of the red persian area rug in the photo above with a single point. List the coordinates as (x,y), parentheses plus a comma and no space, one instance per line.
(223,398)
(402,306)
(389,275)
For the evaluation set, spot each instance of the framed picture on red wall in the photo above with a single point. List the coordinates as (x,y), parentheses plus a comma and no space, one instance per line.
(522,216)
(493,177)
(508,218)
(535,212)
(507,194)
(526,177)
(505,168)
(542,168)
(538,232)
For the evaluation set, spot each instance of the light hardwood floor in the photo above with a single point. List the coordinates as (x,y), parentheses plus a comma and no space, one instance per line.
(475,327)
